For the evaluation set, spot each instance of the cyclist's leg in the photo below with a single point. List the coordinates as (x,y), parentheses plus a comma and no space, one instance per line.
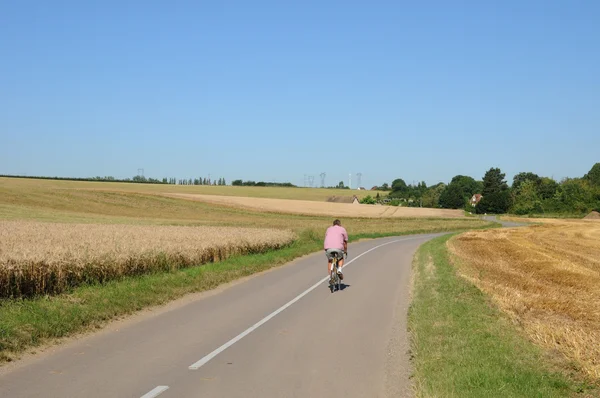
(329,256)
(340,261)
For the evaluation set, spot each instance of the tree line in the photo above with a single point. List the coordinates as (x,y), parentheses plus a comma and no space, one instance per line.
(240,183)
(529,193)
(135,179)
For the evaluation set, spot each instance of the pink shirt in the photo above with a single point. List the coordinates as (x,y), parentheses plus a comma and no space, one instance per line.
(335,237)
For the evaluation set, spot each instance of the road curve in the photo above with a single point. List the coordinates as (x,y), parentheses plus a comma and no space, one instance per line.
(270,336)
(505,224)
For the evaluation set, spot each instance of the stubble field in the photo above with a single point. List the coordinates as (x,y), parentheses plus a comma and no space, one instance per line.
(546,278)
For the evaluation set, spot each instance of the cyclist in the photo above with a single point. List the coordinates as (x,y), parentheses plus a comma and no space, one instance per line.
(336,240)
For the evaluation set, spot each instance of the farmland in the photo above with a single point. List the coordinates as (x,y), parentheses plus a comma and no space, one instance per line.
(49,258)
(545,278)
(24,200)
(82,254)
(321,208)
(312,194)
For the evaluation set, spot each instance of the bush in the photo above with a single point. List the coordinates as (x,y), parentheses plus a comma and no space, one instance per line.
(395,202)
(368,200)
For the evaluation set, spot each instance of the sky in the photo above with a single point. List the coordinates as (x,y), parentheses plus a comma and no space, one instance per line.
(276,90)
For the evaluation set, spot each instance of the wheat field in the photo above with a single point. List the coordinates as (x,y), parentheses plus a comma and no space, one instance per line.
(297,193)
(546,278)
(49,258)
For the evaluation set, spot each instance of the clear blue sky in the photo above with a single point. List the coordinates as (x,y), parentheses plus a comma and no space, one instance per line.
(266,90)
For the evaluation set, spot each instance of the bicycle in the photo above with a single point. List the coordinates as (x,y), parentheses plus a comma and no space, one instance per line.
(335,279)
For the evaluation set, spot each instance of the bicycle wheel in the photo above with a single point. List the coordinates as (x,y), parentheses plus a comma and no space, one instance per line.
(331,278)
(332,281)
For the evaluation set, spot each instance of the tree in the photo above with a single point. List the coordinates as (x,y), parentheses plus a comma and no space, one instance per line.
(340,184)
(398,185)
(493,182)
(496,195)
(527,200)
(593,176)
(547,188)
(452,197)
(431,197)
(494,203)
(385,187)
(522,177)
(468,185)
(576,195)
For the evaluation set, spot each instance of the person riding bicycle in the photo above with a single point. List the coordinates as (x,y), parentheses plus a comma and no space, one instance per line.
(336,241)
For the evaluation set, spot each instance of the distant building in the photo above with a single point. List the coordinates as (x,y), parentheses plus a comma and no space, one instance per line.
(344,199)
(475,199)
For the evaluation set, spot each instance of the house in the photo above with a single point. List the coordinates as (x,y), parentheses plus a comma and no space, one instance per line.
(475,199)
(344,199)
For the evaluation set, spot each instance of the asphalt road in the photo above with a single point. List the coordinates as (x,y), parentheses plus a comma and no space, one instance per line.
(279,334)
(505,224)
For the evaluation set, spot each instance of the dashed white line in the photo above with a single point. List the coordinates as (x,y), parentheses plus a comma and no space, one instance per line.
(155,392)
(258,324)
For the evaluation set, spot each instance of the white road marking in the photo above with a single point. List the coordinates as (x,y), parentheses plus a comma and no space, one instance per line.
(155,392)
(203,361)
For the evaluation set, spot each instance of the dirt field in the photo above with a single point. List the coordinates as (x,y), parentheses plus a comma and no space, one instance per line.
(321,208)
(39,258)
(546,278)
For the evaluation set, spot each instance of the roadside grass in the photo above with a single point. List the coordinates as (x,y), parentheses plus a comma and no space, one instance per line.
(28,323)
(544,278)
(462,346)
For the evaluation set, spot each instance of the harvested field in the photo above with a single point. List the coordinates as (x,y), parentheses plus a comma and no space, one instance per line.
(321,208)
(545,277)
(49,258)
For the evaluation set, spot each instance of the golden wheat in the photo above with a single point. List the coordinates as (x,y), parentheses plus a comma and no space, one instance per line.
(547,278)
(48,258)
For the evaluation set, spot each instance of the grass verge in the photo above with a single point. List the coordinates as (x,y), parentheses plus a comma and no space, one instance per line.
(463,347)
(27,323)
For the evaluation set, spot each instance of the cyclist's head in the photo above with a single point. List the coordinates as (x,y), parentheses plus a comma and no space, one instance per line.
(337,222)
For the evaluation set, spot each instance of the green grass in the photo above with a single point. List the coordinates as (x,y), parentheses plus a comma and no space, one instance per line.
(463,347)
(27,323)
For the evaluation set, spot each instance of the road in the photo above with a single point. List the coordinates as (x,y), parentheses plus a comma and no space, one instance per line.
(505,224)
(279,334)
